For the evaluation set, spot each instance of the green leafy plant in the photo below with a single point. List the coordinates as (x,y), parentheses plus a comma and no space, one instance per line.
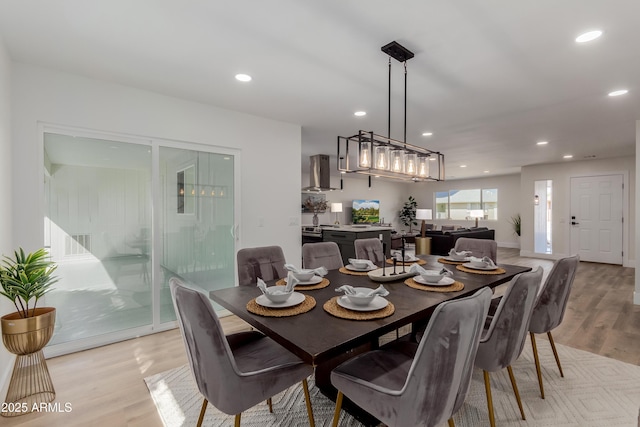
(515,223)
(408,213)
(26,277)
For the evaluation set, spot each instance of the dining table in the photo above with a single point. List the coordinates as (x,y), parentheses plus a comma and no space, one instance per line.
(323,340)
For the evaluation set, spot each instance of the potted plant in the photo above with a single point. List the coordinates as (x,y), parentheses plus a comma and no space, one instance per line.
(408,213)
(24,279)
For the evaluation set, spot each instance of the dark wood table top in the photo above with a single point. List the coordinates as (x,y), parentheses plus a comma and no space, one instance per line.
(317,336)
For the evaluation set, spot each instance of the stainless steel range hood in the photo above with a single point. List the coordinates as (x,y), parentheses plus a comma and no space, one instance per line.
(319,175)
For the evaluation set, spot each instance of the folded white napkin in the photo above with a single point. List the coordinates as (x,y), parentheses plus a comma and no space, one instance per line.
(320,271)
(453,253)
(486,260)
(370,263)
(349,290)
(407,257)
(276,290)
(417,269)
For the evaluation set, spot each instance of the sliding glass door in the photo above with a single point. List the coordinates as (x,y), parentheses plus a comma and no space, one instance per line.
(121,218)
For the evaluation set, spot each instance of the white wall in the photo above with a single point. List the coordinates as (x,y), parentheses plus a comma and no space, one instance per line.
(636,294)
(6,238)
(270,150)
(508,203)
(560,174)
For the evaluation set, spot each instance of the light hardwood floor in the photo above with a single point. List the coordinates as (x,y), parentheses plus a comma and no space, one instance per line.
(105,385)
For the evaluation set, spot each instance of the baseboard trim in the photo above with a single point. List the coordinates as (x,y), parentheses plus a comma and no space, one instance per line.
(514,245)
(530,254)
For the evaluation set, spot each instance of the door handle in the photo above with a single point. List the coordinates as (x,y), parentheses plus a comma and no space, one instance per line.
(575,223)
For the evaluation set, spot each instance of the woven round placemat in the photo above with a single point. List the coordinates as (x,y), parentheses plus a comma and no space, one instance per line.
(419,262)
(323,284)
(474,271)
(446,261)
(353,273)
(303,307)
(334,309)
(454,287)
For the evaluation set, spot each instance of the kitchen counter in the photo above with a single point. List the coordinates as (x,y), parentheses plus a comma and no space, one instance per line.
(346,235)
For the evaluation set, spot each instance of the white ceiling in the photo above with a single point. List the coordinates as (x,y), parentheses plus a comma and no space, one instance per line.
(489,78)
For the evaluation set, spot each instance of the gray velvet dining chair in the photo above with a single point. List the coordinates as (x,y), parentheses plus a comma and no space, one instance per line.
(478,247)
(550,307)
(322,254)
(265,262)
(504,337)
(408,384)
(234,372)
(370,249)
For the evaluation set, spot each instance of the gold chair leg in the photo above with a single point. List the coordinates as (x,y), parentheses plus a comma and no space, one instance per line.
(487,387)
(307,399)
(202,411)
(451,423)
(515,390)
(237,422)
(270,403)
(555,353)
(537,360)
(336,414)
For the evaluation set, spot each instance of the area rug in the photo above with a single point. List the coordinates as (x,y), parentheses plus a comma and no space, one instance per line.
(596,391)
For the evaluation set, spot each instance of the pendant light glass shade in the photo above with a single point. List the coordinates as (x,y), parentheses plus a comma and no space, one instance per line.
(411,164)
(397,161)
(365,155)
(382,157)
(423,166)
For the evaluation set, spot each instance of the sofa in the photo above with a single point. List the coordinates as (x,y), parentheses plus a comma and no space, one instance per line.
(443,241)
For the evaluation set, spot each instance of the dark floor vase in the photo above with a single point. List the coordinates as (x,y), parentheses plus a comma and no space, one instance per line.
(30,382)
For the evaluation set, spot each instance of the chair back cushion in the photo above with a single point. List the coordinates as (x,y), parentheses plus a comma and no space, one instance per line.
(370,249)
(323,254)
(478,247)
(265,262)
(552,300)
(208,352)
(503,341)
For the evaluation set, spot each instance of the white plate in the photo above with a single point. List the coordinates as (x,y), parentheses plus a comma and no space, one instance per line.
(314,281)
(352,268)
(468,265)
(376,304)
(445,281)
(376,275)
(447,258)
(295,299)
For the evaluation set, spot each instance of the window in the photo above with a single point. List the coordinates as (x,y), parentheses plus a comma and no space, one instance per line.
(457,204)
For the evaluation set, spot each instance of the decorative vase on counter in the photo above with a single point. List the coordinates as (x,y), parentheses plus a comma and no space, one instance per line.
(316,221)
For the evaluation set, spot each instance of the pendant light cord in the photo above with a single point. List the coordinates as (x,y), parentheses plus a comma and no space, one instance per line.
(389,103)
(405,104)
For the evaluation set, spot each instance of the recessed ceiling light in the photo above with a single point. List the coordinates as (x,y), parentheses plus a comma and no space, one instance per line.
(463,166)
(542,142)
(486,171)
(567,156)
(427,133)
(243,77)
(618,92)
(360,113)
(588,36)
(432,159)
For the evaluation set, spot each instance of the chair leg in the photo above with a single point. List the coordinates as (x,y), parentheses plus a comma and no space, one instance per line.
(451,423)
(555,353)
(237,422)
(202,411)
(515,390)
(336,414)
(270,403)
(537,360)
(307,399)
(487,387)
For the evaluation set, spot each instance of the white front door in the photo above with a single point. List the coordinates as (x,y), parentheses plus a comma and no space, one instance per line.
(596,218)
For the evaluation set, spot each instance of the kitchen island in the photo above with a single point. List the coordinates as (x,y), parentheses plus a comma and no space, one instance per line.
(345,235)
